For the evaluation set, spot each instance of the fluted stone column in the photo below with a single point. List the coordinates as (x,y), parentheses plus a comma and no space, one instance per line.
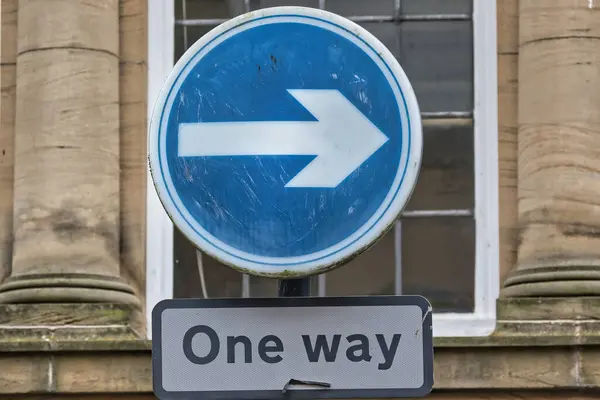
(559,150)
(66,186)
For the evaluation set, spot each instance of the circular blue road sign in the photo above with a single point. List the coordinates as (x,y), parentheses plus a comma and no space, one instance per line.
(285,142)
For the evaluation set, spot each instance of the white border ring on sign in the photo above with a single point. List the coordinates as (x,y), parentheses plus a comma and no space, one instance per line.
(381,221)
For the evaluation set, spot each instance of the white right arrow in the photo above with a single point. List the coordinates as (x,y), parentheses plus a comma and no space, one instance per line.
(342,138)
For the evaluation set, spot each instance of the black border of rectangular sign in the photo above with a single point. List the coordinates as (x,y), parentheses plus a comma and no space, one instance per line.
(294,302)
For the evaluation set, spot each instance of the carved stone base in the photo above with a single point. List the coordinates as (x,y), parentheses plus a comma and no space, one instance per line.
(558,281)
(67,288)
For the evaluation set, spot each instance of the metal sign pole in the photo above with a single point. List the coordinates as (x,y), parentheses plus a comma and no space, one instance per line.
(299,287)
(294,287)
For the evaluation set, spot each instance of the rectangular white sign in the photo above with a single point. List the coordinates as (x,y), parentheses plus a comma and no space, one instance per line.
(293,348)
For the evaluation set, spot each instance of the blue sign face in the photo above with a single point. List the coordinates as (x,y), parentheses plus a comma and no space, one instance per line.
(285,142)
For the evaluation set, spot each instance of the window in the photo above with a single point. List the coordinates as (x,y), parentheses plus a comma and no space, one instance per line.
(445,245)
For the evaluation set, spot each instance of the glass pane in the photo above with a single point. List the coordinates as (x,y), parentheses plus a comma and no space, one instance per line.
(266,287)
(387,7)
(209,9)
(447,178)
(371,273)
(437,6)
(199,10)
(360,7)
(438,261)
(256,4)
(437,58)
(263,287)
(221,281)
(193,33)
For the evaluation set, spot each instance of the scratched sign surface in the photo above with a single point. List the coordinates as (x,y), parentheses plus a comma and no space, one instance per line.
(285,141)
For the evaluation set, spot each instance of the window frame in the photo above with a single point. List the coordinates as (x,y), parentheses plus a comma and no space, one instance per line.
(481,322)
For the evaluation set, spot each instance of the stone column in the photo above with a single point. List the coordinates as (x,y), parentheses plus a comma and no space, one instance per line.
(559,150)
(133,52)
(507,12)
(66,189)
(8,55)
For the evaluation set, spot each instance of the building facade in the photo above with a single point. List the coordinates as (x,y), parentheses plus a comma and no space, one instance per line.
(501,234)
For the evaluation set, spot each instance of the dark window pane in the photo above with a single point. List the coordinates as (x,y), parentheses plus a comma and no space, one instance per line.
(360,7)
(371,273)
(209,9)
(437,58)
(447,178)
(193,33)
(387,7)
(263,287)
(256,4)
(437,6)
(198,10)
(221,281)
(388,33)
(267,287)
(438,261)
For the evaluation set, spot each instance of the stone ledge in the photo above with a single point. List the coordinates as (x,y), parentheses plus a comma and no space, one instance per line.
(566,320)
(64,346)
(528,351)
(118,344)
(124,366)
(501,340)
(52,322)
(435,395)
(548,309)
